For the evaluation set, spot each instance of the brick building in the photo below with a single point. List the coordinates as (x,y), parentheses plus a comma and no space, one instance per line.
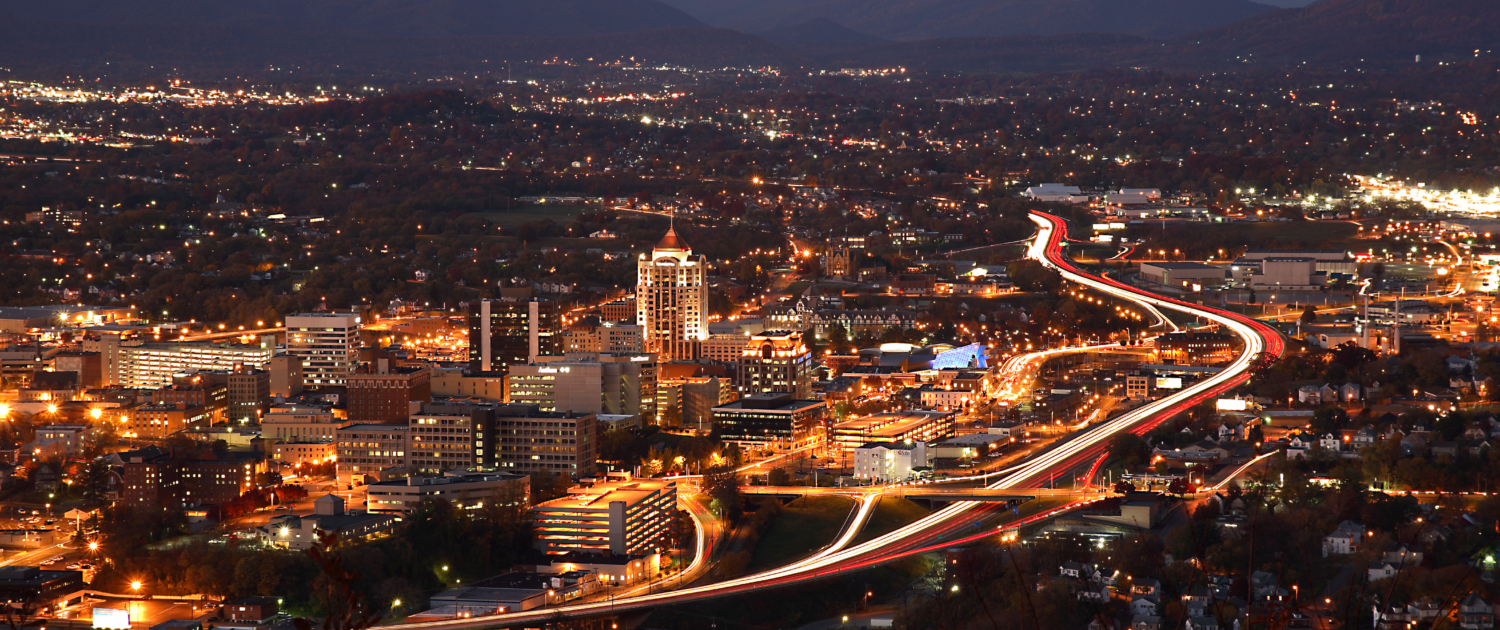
(384,394)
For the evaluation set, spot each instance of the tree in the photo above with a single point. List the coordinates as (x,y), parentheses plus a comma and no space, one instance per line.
(1330,420)
(346,608)
(1130,450)
(779,477)
(1309,315)
(671,417)
(722,485)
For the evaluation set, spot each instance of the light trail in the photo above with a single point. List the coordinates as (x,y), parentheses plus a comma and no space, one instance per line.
(906,540)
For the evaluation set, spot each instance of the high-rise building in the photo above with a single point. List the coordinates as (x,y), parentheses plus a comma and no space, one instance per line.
(510,332)
(776,361)
(672,299)
(327,343)
(386,394)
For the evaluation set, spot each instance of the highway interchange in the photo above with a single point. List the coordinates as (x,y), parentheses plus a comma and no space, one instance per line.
(937,529)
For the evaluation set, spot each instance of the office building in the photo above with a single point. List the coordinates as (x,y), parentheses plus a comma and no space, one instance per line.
(154,364)
(468,490)
(157,421)
(194,391)
(692,390)
(1183,274)
(508,332)
(299,453)
(286,375)
(44,589)
(462,383)
(385,394)
(1289,274)
(89,366)
(529,440)
(886,462)
(514,437)
(770,421)
(776,362)
(672,299)
(607,338)
(622,516)
(152,479)
(292,531)
(293,423)
(367,451)
(328,345)
(448,437)
(249,391)
(610,384)
(896,427)
(1194,348)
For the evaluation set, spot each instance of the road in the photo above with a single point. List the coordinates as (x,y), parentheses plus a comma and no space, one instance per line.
(917,537)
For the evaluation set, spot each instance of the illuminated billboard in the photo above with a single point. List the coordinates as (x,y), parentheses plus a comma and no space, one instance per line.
(1171,382)
(113,618)
(1232,404)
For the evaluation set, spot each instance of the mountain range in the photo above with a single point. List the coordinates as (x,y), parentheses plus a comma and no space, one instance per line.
(371,18)
(911,20)
(403,36)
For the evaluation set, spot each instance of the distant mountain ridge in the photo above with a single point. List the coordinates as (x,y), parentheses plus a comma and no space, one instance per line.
(221,38)
(911,20)
(819,36)
(371,18)
(1368,33)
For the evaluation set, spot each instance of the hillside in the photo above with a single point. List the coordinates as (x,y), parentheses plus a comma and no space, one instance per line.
(42,48)
(1370,33)
(370,18)
(1347,31)
(909,20)
(819,36)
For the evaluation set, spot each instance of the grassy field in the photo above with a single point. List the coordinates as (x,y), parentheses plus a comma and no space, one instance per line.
(891,513)
(803,526)
(524,214)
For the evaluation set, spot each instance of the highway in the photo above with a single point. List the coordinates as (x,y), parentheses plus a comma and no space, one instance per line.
(919,536)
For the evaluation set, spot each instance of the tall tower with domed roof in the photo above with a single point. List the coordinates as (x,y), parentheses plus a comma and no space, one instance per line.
(671,297)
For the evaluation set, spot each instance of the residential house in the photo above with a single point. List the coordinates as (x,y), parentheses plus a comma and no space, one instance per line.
(1405,555)
(1380,570)
(1144,605)
(1329,394)
(1146,586)
(1095,594)
(1202,622)
(1351,392)
(1475,614)
(1310,395)
(1344,540)
(1145,622)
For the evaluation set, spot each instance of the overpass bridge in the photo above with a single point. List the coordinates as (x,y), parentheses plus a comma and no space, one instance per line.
(921,491)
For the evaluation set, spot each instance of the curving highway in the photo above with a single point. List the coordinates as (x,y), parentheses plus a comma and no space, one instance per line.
(1085,451)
